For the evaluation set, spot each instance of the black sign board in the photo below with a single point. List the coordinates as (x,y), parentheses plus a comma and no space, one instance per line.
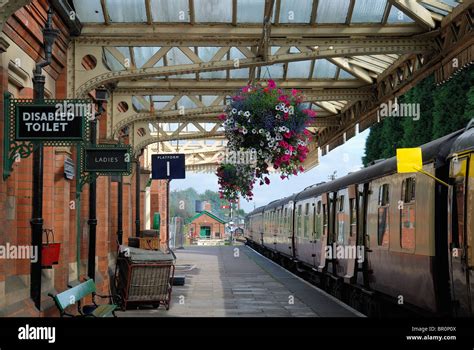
(107,159)
(167,166)
(51,122)
(69,168)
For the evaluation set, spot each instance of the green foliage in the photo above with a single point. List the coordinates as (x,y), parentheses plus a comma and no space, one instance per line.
(444,109)
(182,203)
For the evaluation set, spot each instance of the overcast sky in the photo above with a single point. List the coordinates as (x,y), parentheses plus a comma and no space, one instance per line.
(344,159)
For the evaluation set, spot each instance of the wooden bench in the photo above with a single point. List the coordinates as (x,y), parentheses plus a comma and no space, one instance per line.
(75,294)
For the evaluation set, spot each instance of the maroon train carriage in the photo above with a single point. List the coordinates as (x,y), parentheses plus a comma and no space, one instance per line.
(378,235)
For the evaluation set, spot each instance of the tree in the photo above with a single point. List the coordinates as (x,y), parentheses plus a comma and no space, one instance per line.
(443,110)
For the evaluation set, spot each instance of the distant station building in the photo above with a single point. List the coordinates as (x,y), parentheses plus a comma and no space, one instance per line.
(206,225)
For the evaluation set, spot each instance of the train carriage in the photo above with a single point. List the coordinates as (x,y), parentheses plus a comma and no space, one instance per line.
(402,237)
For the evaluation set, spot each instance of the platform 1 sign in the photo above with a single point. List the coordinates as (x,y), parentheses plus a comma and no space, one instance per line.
(168,166)
(51,121)
(107,160)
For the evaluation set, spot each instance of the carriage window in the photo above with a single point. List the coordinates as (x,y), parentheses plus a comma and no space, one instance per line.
(408,190)
(407,214)
(341,235)
(325,219)
(383,227)
(383,195)
(317,221)
(298,220)
(306,221)
(341,203)
(352,205)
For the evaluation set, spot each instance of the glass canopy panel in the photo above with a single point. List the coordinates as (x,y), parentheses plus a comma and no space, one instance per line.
(186,102)
(159,102)
(452,3)
(125,51)
(112,62)
(323,69)
(250,11)
(274,71)
(208,99)
(398,16)
(368,11)
(218,74)
(89,11)
(209,11)
(235,53)
(176,57)
(295,11)
(126,10)
(143,54)
(436,10)
(242,73)
(170,11)
(344,75)
(332,11)
(137,105)
(299,69)
(206,53)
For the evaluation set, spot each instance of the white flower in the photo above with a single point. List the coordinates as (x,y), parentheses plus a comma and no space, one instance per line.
(234,110)
(287,152)
(261,131)
(259,152)
(278,108)
(240,113)
(254,131)
(247,114)
(262,144)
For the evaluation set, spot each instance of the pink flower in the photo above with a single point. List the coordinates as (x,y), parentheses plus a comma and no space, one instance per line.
(287,135)
(294,92)
(301,159)
(222,117)
(301,169)
(309,112)
(271,84)
(267,180)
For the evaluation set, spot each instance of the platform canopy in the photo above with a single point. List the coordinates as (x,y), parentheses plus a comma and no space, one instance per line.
(171,65)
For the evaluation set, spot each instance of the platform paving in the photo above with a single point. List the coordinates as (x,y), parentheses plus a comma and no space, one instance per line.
(235,281)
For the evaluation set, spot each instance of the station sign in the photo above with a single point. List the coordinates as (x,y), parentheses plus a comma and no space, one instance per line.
(107,159)
(51,120)
(168,166)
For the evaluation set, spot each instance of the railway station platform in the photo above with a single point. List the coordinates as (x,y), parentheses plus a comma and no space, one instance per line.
(236,281)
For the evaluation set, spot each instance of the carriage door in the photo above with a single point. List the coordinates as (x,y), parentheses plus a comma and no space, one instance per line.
(460,237)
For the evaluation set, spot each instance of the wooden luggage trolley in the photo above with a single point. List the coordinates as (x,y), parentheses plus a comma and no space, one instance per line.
(144,277)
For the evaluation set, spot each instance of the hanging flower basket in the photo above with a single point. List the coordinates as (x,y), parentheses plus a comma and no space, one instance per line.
(235,180)
(272,123)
